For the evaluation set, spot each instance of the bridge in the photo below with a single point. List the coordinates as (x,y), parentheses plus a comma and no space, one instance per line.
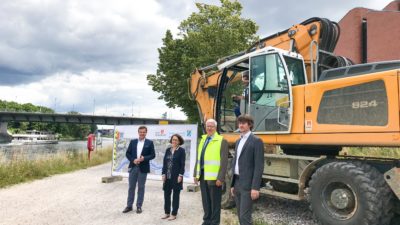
(6,117)
(81,119)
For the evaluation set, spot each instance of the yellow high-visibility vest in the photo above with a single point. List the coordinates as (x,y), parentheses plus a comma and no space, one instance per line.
(212,157)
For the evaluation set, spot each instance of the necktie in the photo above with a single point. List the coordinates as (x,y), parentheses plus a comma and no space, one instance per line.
(206,142)
(203,150)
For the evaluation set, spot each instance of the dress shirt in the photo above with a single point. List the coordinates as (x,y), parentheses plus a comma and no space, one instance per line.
(243,139)
(139,148)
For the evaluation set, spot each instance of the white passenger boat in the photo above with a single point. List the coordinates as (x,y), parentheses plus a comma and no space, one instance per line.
(33,137)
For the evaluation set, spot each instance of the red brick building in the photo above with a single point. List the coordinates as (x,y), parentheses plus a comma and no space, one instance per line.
(370,35)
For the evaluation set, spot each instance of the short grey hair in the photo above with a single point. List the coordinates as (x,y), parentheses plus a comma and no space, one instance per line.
(211,121)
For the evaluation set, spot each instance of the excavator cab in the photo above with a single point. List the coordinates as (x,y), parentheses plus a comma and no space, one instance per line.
(272,73)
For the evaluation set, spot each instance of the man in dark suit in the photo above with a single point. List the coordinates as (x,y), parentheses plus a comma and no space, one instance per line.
(139,154)
(248,167)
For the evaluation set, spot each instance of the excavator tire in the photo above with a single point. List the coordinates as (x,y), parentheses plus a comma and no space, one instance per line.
(227,200)
(346,193)
(387,194)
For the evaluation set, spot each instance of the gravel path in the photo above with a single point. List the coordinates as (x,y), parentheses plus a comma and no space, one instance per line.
(81,198)
(283,211)
(276,211)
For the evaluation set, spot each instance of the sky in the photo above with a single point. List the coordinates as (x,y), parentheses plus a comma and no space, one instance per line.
(93,56)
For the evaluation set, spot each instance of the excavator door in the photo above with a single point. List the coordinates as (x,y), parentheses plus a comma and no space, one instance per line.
(270,92)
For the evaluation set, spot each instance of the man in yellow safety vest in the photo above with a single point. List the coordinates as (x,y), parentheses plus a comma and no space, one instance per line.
(210,170)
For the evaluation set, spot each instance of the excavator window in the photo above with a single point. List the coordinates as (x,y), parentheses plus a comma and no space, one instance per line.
(268,79)
(296,70)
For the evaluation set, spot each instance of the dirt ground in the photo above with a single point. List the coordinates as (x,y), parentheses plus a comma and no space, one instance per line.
(81,198)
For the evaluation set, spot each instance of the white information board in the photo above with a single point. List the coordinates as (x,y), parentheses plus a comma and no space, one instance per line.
(160,135)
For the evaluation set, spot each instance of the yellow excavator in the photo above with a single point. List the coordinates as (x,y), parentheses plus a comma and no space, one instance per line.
(311,103)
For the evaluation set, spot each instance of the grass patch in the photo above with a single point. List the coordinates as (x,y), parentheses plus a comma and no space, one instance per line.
(24,170)
(373,152)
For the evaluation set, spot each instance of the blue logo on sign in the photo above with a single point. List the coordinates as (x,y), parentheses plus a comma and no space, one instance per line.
(188,133)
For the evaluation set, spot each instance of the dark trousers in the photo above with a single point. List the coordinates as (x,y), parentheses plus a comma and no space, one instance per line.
(211,198)
(244,203)
(136,177)
(168,190)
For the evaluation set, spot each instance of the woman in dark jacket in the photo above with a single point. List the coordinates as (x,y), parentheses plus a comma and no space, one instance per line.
(172,175)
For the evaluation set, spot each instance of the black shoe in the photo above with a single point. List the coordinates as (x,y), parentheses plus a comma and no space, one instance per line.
(127,209)
(139,210)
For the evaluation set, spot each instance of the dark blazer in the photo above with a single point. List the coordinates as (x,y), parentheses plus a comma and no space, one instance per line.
(251,163)
(147,152)
(178,166)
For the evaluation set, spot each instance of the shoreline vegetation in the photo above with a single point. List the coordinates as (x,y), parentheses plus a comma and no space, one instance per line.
(24,170)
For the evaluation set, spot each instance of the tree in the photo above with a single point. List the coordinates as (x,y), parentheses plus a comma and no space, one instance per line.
(204,37)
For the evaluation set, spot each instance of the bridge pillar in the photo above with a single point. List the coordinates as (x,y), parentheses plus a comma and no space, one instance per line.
(4,135)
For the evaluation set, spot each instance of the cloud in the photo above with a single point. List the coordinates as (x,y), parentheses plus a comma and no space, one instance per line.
(181,9)
(40,38)
(102,93)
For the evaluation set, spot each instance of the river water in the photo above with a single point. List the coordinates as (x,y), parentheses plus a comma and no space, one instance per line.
(10,152)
